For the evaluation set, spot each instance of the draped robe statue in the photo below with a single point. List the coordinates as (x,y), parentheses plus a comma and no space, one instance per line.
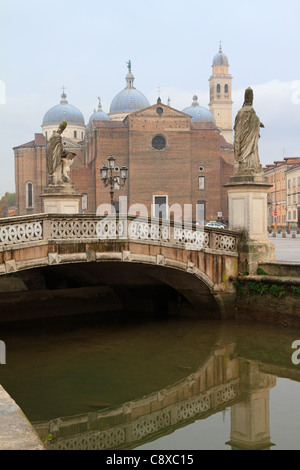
(247,127)
(58,159)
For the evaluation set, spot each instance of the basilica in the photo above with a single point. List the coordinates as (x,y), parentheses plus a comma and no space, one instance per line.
(175,158)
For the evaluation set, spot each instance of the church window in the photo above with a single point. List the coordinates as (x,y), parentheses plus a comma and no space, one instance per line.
(159,110)
(159,142)
(160,207)
(218,89)
(75,134)
(226,89)
(201,182)
(29,195)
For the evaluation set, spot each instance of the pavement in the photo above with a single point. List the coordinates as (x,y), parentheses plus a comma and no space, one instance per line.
(286,249)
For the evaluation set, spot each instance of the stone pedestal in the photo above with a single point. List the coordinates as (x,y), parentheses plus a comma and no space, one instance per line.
(248,212)
(61,199)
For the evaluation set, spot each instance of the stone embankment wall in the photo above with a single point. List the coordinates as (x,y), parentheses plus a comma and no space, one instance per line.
(16,432)
(271,296)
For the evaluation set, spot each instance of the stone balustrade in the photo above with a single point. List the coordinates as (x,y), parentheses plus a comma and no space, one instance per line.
(81,227)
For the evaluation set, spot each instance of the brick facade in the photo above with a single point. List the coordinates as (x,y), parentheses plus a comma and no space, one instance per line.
(173,171)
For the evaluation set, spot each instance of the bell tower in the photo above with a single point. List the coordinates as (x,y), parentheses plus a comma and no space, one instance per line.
(220,103)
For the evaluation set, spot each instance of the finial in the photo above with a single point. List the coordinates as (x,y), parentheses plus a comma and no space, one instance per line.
(129,65)
(220,46)
(195,101)
(158,93)
(169,101)
(129,77)
(99,104)
(158,100)
(63,96)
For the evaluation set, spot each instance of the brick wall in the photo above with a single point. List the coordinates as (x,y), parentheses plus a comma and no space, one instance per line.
(172,171)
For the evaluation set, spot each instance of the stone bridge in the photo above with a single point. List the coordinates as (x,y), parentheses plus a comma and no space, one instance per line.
(198,262)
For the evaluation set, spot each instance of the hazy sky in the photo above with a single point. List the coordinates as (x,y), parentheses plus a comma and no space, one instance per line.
(84,45)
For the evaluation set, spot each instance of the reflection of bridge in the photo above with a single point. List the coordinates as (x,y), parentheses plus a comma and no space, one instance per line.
(214,386)
(207,257)
(222,381)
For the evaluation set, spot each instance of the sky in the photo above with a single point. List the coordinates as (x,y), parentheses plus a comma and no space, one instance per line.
(84,46)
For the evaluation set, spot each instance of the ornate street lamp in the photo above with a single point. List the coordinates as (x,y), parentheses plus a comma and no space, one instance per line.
(110,179)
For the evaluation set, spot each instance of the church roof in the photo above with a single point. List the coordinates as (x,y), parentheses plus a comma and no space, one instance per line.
(99,115)
(220,58)
(39,141)
(130,99)
(198,113)
(63,112)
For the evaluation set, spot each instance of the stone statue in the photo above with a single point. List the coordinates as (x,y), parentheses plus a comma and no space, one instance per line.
(67,160)
(247,127)
(58,159)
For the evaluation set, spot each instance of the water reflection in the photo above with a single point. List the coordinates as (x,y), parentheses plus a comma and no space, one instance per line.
(130,386)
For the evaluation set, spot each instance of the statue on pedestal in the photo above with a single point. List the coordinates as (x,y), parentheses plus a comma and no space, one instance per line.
(58,159)
(247,128)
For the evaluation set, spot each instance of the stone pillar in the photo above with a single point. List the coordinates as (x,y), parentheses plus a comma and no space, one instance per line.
(61,199)
(248,212)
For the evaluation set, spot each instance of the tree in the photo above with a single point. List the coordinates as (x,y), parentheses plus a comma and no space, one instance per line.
(8,200)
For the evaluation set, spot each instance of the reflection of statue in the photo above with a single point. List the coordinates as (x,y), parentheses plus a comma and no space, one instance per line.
(58,159)
(246,127)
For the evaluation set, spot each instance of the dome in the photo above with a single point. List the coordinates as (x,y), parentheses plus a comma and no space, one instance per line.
(99,115)
(63,112)
(220,58)
(130,99)
(198,113)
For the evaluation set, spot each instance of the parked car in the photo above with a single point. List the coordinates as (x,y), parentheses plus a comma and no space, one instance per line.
(215,224)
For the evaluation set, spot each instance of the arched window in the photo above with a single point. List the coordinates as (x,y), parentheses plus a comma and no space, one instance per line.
(218,89)
(226,89)
(29,195)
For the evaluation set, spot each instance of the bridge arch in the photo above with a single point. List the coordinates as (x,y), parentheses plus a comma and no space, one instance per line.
(197,264)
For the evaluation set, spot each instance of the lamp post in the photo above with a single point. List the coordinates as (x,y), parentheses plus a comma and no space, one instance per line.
(110,179)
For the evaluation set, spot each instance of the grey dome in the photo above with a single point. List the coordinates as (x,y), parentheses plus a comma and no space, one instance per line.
(63,112)
(99,115)
(220,58)
(198,113)
(129,99)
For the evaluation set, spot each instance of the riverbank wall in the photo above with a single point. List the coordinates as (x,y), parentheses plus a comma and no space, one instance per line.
(16,432)
(271,296)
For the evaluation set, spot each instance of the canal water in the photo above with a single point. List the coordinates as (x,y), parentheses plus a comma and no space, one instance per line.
(157,385)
